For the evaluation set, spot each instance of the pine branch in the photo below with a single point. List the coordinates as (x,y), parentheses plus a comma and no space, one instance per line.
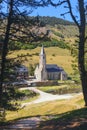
(57,4)
(72,15)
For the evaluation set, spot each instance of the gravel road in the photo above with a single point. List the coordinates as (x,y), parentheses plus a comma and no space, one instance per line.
(46,96)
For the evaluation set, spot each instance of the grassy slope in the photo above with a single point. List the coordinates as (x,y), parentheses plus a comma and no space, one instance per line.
(62,57)
(65,114)
(53,108)
(62,89)
(68,32)
(56,115)
(72,120)
(69,113)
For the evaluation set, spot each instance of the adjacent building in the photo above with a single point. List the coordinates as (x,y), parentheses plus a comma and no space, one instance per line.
(45,71)
(21,72)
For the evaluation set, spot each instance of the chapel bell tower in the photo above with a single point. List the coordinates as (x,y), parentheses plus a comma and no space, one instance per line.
(42,63)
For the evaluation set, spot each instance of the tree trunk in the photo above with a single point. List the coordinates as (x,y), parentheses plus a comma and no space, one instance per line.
(5,48)
(83,72)
(81,53)
(81,62)
(84,87)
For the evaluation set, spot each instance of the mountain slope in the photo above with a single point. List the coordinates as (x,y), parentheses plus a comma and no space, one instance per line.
(59,32)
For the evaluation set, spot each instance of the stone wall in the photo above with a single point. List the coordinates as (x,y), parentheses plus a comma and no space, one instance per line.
(45,83)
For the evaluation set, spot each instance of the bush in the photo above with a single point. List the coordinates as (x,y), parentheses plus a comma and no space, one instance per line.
(53,55)
(2,115)
(12,95)
(47,43)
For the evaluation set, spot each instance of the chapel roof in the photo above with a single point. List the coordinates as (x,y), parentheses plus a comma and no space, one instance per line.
(53,68)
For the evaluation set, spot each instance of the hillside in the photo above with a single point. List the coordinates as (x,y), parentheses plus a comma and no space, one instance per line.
(65,33)
(54,55)
(54,21)
(59,29)
(57,44)
(60,32)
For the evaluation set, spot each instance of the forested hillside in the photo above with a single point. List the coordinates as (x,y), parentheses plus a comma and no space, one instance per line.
(60,33)
(53,20)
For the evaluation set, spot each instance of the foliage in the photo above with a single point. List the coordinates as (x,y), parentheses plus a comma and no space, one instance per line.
(58,34)
(80,22)
(86,50)
(2,115)
(23,42)
(48,43)
(55,42)
(54,21)
(13,95)
(74,53)
(13,20)
(20,45)
(31,69)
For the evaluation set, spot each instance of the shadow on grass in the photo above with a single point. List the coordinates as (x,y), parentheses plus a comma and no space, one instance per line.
(72,120)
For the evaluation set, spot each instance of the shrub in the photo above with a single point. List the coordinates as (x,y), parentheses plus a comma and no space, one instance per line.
(53,54)
(2,115)
(48,43)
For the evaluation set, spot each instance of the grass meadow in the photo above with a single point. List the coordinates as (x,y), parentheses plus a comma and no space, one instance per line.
(62,89)
(55,115)
(46,109)
(54,55)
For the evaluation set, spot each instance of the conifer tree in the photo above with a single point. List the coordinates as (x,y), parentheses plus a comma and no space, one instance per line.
(80,21)
(13,21)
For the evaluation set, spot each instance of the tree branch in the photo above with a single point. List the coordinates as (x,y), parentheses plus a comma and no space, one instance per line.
(57,4)
(72,15)
(65,13)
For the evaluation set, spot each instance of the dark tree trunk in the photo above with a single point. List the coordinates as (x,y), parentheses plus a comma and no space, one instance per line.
(84,87)
(83,73)
(82,40)
(81,54)
(5,48)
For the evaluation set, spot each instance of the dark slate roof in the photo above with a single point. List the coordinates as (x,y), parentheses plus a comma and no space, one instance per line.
(53,68)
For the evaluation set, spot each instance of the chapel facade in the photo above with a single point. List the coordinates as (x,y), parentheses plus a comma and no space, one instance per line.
(45,71)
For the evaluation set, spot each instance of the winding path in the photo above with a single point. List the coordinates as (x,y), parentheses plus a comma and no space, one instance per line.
(33,122)
(46,96)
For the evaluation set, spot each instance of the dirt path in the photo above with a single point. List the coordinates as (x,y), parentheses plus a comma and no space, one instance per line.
(47,97)
(33,122)
(23,124)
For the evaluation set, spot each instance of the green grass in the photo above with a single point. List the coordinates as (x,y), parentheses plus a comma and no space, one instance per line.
(64,114)
(62,89)
(72,120)
(47,108)
(69,36)
(28,96)
(28,99)
(21,96)
(62,57)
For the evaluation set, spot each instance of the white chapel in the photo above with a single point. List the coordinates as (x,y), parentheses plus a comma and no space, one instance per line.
(45,71)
